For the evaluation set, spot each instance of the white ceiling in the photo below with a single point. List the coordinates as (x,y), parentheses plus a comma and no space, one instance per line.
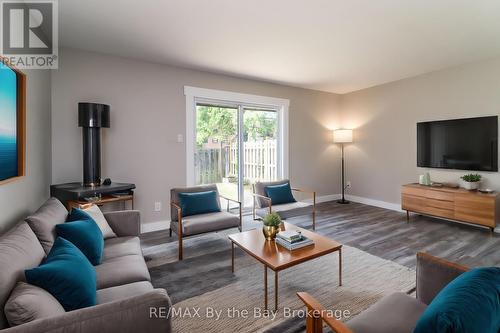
(330,45)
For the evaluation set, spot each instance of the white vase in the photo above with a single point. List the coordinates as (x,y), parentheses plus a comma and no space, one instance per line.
(469,185)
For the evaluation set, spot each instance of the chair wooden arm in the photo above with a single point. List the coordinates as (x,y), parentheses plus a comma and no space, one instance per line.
(179,211)
(229,199)
(316,314)
(313,193)
(303,190)
(262,197)
(239,207)
(270,202)
(176,206)
(179,226)
(441,261)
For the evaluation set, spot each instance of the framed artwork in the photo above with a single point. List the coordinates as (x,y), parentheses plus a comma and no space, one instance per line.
(12,122)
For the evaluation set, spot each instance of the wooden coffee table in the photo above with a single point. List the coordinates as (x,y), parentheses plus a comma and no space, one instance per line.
(278,258)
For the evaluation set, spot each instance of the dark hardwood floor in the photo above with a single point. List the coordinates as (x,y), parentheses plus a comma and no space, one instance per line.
(386,234)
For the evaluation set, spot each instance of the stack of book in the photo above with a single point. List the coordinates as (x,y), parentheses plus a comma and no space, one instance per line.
(292,240)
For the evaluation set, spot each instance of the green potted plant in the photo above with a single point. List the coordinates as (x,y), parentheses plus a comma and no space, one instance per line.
(470,181)
(271,226)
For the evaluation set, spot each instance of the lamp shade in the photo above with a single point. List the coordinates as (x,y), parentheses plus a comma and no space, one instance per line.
(342,135)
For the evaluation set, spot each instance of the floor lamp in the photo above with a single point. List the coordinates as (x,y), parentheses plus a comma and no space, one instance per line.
(342,136)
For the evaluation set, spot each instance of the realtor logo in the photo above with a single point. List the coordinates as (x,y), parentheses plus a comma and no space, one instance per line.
(29,33)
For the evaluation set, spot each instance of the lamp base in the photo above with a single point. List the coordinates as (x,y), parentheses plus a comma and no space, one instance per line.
(343,201)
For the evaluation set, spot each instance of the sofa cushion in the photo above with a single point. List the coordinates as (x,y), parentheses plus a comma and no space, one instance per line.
(289,210)
(19,250)
(197,224)
(67,275)
(396,313)
(121,270)
(121,246)
(280,194)
(43,222)
(86,236)
(28,302)
(468,304)
(174,196)
(121,292)
(93,213)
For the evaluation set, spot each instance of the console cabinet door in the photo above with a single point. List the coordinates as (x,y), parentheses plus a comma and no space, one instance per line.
(413,203)
(475,209)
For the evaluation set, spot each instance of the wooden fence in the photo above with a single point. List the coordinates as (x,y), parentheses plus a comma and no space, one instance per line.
(260,157)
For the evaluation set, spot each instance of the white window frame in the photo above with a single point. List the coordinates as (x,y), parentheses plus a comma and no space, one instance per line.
(195,95)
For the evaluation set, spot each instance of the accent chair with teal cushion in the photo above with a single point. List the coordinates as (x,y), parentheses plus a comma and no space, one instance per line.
(197,210)
(86,236)
(468,304)
(67,275)
(276,196)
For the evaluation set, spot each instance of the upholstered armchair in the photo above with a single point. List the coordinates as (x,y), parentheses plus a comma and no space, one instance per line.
(397,312)
(263,203)
(197,210)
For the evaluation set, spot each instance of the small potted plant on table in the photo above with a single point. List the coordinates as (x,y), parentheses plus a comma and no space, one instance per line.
(470,181)
(271,226)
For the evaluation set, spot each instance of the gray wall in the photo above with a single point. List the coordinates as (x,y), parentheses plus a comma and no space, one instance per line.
(148,111)
(23,196)
(384,117)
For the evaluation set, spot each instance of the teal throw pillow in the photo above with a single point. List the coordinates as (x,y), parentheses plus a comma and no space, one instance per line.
(86,236)
(468,304)
(198,203)
(280,194)
(67,275)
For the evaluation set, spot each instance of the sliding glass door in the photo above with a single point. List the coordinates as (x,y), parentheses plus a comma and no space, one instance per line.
(236,145)
(260,148)
(216,151)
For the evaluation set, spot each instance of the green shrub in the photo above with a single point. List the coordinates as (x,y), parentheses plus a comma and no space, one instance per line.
(272,220)
(471,178)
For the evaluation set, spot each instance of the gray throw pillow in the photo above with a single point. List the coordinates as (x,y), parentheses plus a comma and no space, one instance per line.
(43,222)
(28,302)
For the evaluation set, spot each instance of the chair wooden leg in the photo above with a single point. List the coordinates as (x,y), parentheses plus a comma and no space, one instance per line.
(240,227)
(180,247)
(314,324)
(170,231)
(255,218)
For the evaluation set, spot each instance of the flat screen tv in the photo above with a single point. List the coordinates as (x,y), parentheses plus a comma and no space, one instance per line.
(464,144)
(12,101)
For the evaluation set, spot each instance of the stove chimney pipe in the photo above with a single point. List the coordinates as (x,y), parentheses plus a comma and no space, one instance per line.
(91,117)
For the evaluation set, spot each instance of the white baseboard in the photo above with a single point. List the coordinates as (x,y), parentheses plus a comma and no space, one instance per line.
(373,202)
(155,226)
(324,198)
(355,198)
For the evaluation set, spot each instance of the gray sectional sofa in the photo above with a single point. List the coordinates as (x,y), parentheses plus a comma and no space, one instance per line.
(126,300)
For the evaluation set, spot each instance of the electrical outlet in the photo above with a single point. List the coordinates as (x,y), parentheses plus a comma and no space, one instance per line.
(157,206)
(348,184)
(180,138)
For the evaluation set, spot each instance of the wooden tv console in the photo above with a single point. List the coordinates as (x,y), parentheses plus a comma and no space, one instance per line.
(451,203)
